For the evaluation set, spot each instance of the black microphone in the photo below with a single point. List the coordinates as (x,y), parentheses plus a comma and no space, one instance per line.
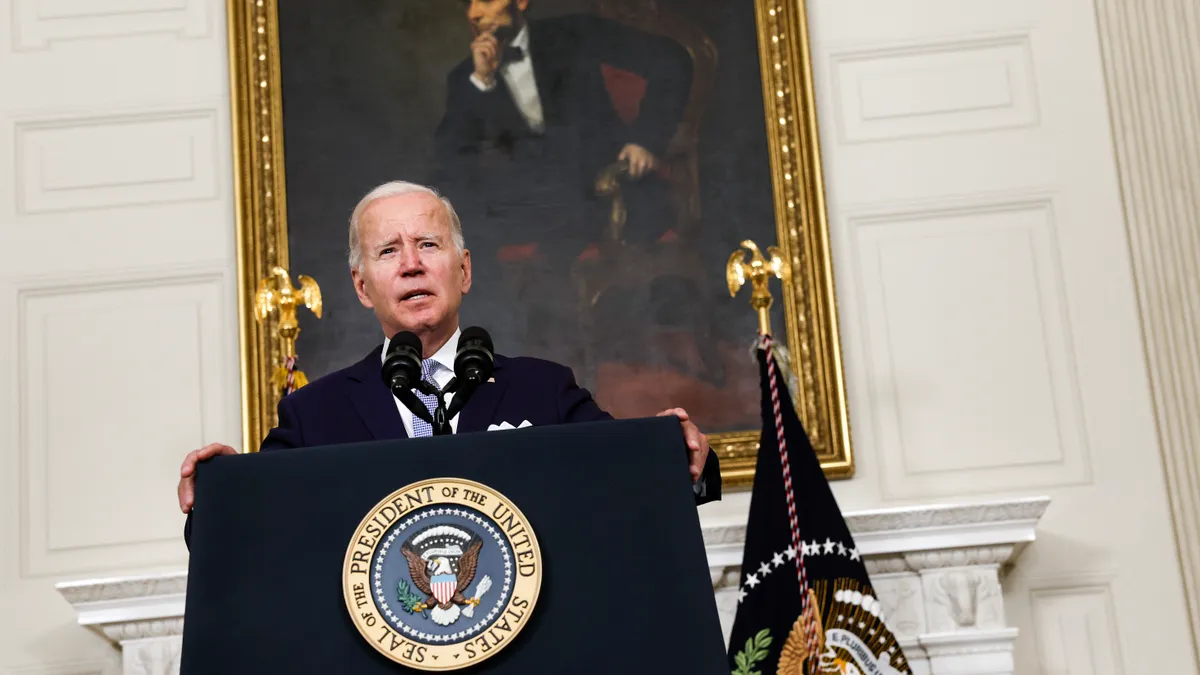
(402,364)
(402,372)
(473,365)
(474,360)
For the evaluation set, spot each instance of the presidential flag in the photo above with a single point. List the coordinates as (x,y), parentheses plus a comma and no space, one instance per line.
(805,604)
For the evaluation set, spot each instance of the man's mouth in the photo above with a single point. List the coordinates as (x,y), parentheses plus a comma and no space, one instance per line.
(416,295)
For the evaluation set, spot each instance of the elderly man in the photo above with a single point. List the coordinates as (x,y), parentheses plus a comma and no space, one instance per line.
(409,265)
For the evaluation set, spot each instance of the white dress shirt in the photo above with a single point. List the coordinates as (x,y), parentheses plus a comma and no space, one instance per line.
(444,356)
(518,75)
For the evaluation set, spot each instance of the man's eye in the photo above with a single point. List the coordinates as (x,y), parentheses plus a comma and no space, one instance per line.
(427,244)
(387,250)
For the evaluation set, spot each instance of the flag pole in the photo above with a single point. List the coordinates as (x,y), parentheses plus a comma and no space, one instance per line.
(823,615)
(758,271)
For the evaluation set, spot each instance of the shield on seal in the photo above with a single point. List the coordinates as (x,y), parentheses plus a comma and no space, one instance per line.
(443,587)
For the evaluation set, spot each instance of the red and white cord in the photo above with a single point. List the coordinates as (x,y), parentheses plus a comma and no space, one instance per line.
(793,520)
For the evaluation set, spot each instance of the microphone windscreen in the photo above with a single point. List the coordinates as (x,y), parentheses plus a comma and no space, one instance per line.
(477,335)
(405,338)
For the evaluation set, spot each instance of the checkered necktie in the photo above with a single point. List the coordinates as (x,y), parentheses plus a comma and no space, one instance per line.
(429,368)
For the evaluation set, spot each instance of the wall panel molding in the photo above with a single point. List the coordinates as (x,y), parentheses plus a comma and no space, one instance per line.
(38,23)
(935,88)
(975,283)
(1151,55)
(149,343)
(1076,630)
(131,159)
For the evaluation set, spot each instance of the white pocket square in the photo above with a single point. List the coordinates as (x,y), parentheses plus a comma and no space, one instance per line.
(505,425)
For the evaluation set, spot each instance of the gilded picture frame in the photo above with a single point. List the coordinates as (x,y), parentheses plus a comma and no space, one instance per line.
(807,300)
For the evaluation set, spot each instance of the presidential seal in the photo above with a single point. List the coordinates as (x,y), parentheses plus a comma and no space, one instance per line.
(442,574)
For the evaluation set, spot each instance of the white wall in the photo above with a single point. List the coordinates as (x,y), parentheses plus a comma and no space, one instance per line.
(117,282)
(988,315)
(988,308)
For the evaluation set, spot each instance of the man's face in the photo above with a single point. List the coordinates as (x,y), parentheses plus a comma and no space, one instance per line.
(411,275)
(499,17)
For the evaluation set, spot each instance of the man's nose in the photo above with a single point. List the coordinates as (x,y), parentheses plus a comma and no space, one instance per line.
(474,11)
(410,262)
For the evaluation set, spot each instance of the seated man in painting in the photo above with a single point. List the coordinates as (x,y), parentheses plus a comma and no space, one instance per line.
(530,123)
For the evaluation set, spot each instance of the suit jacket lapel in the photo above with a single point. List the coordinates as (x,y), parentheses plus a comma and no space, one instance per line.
(481,409)
(372,399)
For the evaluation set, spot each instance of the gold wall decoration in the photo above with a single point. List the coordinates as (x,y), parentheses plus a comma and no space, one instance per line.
(277,298)
(802,238)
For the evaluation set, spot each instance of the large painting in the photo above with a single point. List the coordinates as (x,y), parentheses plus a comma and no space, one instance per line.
(605,157)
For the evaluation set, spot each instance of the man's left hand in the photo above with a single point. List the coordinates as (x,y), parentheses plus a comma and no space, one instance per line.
(641,161)
(696,441)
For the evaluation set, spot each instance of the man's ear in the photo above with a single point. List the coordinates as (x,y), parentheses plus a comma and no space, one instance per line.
(360,287)
(522,5)
(466,271)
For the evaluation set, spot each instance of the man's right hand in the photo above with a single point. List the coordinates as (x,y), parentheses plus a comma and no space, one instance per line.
(485,48)
(187,473)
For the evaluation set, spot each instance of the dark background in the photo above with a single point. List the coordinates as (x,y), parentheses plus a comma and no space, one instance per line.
(363,89)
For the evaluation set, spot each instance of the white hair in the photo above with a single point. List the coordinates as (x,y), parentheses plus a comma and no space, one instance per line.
(394,189)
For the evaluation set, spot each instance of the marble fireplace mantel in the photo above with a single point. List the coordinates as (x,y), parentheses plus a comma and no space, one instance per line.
(938,571)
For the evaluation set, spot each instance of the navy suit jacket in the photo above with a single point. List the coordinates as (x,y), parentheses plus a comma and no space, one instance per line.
(354,405)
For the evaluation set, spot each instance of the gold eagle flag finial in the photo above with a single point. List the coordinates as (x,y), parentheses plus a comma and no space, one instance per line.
(758,271)
(276,295)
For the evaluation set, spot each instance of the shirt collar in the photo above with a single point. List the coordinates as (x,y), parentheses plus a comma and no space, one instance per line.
(444,356)
(522,39)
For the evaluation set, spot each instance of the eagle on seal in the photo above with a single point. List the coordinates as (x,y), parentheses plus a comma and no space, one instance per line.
(443,587)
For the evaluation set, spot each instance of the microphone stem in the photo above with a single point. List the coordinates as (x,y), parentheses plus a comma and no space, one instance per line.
(414,404)
(440,419)
(461,397)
